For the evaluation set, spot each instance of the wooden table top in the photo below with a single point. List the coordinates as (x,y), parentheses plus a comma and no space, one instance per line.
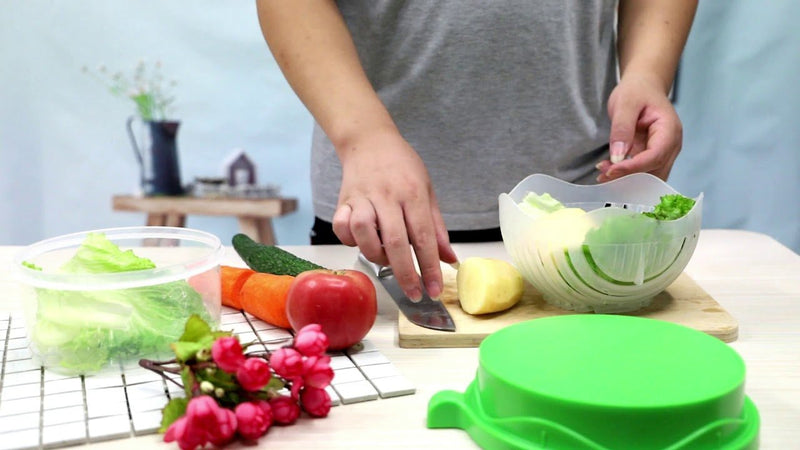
(751,275)
(209,206)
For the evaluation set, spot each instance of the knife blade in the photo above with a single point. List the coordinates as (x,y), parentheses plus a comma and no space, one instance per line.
(426,313)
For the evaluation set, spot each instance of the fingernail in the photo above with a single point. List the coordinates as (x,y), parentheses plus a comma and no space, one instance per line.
(599,166)
(617,152)
(434,289)
(415,295)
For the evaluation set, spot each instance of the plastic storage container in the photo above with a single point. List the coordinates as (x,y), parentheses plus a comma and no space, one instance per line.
(602,382)
(621,270)
(80,318)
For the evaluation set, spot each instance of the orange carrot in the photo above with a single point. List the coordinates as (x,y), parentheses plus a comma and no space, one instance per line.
(233,279)
(264,296)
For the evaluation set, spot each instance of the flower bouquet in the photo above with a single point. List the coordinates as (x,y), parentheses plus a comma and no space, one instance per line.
(156,149)
(230,392)
(146,87)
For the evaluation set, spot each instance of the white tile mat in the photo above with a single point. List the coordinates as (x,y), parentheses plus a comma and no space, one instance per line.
(42,409)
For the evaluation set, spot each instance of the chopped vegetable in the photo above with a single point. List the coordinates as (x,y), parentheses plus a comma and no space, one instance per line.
(264,296)
(566,227)
(622,229)
(671,207)
(269,258)
(84,330)
(31,265)
(630,249)
(614,246)
(536,205)
(232,280)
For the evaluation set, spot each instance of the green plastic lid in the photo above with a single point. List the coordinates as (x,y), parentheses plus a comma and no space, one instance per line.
(602,382)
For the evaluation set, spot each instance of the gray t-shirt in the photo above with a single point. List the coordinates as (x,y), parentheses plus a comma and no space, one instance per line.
(487,92)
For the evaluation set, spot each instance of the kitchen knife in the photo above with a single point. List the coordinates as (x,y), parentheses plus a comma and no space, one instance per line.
(426,313)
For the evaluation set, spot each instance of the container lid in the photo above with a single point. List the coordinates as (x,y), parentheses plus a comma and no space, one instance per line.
(603,382)
(179,253)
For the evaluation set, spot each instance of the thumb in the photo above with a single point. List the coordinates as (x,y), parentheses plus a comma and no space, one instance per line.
(623,127)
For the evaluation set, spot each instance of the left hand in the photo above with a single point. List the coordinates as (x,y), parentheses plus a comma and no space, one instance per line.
(646,133)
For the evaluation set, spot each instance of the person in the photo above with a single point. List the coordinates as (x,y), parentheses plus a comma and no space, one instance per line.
(425,111)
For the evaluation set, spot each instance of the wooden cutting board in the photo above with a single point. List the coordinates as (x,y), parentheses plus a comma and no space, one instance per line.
(684,302)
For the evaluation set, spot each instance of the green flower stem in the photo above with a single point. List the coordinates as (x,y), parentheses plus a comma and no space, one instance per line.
(160,367)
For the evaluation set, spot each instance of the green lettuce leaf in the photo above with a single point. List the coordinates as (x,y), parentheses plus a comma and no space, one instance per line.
(99,255)
(671,207)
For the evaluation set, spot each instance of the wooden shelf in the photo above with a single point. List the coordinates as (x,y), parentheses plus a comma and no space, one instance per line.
(254,214)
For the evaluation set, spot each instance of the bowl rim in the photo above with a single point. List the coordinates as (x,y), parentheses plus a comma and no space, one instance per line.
(517,192)
(515,195)
(118,280)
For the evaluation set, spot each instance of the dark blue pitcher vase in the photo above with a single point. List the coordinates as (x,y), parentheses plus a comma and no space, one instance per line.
(157,157)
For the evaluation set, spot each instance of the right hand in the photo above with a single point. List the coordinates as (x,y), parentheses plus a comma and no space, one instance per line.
(386,202)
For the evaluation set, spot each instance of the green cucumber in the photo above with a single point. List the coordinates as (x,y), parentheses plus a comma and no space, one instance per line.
(268,258)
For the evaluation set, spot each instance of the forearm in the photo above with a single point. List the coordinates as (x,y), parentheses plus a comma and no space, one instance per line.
(316,54)
(651,37)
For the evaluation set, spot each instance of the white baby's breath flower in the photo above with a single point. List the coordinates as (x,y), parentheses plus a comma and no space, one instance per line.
(145,87)
(206,386)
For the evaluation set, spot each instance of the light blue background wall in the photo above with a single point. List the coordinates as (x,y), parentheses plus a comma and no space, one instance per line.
(739,99)
(64,152)
(63,147)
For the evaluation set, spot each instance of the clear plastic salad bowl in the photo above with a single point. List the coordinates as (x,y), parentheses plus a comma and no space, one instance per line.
(112,296)
(599,253)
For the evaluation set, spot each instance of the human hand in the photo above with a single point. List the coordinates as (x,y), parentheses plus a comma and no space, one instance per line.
(386,202)
(644,127)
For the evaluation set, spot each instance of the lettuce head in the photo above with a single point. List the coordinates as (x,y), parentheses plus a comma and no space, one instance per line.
(82,331)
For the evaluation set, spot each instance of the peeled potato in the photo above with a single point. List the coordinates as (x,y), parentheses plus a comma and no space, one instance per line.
(487,285)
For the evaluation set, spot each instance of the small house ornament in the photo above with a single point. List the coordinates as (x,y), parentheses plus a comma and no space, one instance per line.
(239,170)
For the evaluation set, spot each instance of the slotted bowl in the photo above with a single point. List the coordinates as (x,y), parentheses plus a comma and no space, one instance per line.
(580,265)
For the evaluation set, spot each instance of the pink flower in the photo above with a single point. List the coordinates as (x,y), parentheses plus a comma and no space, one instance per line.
(317,371)
(227,353)
(315,401)
(287,362)
(263,404)
(310,340)
(297,384)
(253,374)
(205,421)
(253,418)
(203,412)
(188,438)
(285,410)
(226,427)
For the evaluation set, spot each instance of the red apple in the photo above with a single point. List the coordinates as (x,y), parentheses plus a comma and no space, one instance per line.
(342,302)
